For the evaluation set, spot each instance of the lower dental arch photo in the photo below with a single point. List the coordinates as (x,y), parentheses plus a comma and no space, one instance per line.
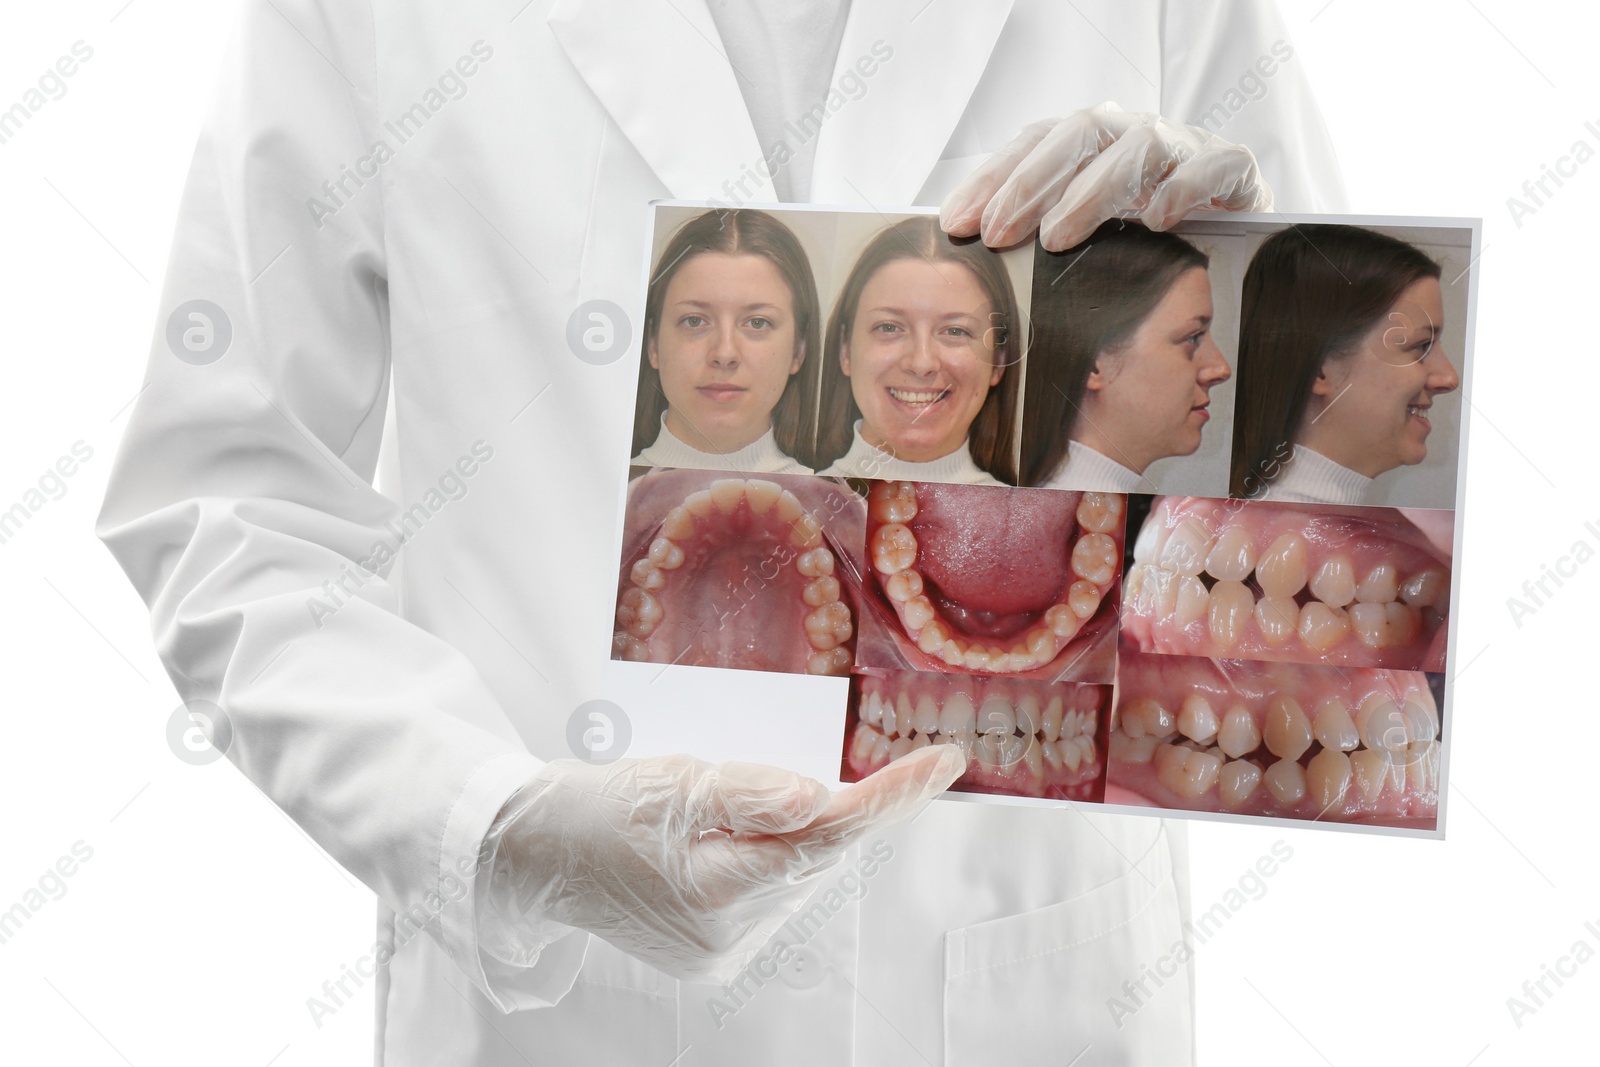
(1235,659)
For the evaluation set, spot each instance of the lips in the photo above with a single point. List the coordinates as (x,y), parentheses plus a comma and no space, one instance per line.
(722,393)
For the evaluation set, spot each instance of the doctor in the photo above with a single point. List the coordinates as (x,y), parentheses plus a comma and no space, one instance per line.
(425,219)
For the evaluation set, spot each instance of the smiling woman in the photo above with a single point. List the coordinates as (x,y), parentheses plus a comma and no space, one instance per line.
(1340,359)
(729,320)
(919,375)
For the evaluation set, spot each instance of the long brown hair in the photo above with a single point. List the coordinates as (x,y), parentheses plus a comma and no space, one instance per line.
(1082,310)
(1311,293)
(736,232)
(994,428)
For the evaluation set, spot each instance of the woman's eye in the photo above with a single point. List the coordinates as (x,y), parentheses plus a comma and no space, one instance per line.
(693,322)
(886,327)
(958,331)
(760,323)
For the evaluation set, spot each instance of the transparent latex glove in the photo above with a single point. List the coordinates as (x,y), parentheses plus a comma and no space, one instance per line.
(1064,177)
(686,865)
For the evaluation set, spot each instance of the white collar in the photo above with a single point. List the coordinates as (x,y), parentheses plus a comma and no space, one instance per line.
(1312,478)
(1091,471)
(867,461)
(761,456)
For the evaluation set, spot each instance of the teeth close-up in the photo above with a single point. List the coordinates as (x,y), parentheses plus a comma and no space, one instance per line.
(1263,581)
(1022,737)
(1301,742)
(918,396)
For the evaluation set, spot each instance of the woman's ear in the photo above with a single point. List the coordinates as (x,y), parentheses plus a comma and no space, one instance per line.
(1322,384)
(1097,379)
(799,357)
(650,350)
(844,356)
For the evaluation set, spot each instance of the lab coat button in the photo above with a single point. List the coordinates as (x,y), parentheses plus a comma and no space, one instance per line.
(803,969)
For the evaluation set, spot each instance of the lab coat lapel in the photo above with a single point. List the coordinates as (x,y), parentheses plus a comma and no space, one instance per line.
(660,71)
(880,148)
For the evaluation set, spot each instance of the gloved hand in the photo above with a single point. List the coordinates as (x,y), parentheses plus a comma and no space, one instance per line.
(1064,177)
(688,866)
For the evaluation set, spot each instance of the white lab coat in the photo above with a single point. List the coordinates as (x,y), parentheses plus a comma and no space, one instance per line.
(392,722)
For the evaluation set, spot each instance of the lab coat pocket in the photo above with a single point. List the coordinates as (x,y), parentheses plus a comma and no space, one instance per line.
(1101,978)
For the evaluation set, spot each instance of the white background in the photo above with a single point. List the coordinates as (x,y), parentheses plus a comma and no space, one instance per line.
(205,918)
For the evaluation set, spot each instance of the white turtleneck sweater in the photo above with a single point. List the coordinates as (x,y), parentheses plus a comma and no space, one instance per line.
(1087,470)
(761,456)
(1312,478)
(867,461)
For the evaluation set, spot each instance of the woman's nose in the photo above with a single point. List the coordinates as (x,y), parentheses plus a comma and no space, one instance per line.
(1442,376)
(919,355)
(724,350)
(1214,367)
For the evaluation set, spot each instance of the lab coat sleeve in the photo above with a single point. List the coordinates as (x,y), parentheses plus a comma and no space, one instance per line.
(241,508)
(1232,69)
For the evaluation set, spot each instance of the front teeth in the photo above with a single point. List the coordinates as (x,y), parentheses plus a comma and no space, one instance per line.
(914,396)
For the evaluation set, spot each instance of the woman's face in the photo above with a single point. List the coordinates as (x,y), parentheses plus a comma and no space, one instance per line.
(1149,398)
(1369,408)
(725,348)
(920,357)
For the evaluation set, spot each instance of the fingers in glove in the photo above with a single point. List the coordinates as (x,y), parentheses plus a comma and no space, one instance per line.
(1119,180)
(1039,182)
(1220,175)
(963,209)
(896,792)
(755,798)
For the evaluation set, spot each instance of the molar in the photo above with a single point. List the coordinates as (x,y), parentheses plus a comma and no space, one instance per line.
(894,548)
(1094,557)
(1100,512)
(1321,627)
(818,563)
(893,502)
(1423,589)
(665,554)
(1192,776)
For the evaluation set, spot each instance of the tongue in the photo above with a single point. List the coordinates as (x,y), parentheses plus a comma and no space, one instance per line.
(1005,552)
